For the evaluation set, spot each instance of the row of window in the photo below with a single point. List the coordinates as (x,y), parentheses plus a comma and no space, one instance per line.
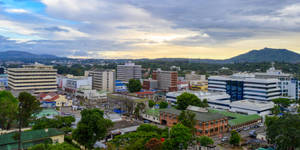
(212,130)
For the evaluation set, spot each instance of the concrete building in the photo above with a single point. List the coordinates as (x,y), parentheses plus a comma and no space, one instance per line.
(54,100)
(37,78)
(3,81)
(149,84)
(103,80)
(129,71)
(245,86)
(208,123)
(194,76)
(167,80)
(120,86)
(72,83)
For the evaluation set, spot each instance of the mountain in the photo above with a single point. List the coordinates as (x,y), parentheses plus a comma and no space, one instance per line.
(20,55)
(267,55)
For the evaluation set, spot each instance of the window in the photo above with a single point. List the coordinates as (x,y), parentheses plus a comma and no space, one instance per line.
(211,130)
(206,124)
(200,131)
(216,121)
(200,124)
(206,131)
(212,123)
(216,129)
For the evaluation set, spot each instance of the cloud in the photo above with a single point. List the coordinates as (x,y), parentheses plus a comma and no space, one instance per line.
(17,11)
(54,29)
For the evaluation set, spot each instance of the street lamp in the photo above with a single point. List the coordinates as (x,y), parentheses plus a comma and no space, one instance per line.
(20,127)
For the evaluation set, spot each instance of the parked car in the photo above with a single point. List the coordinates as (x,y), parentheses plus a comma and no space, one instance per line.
(247,128)
(224,139)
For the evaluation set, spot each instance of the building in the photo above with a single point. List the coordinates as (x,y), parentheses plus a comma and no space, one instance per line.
(72,83)
(145,94)
(103,80)
(120,86)
(250,107)
(31,138)
(194,76)
(208,123)
(3,81)
(92,94)
(129,71)
(38,78)
(198,85)
(245,86)
(167,80)
(182,85)
(171,97)
(54,100)
(149,84)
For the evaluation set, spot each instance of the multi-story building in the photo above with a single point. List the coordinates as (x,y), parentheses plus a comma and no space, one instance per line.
(194,76)
(103,80)
(167,80)
(3,81)
(208,123)
(149,84)
(129,71)
(245,86)
(37,78)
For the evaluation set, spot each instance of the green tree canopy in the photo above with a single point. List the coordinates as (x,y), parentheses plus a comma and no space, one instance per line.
(134,85)
(8,109)
(91,128)
(235,138)
(154,144)
(282,102)
(151,103)
(163,104)
(29,105)
(186,99)
(187,118)
(63,123)
(62,146)
(180,137)
(205,140)
(284,131)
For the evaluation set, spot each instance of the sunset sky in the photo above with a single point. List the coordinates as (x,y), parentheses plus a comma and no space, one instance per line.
(216,29)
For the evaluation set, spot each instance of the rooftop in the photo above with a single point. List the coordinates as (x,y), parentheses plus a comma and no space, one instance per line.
(152,112)
(237,119)
(200,116)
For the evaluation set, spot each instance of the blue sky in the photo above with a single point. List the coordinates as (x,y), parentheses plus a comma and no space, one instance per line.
(148,29)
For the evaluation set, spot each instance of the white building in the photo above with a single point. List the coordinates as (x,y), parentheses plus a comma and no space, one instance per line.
(103,80)
(92,94)
(129,71)
(245,86)
(72,83)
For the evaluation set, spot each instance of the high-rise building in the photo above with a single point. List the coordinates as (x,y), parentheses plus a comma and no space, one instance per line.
(103,80)
(194,76)
(245,86)
(129,71)
(37,78)
(166,80)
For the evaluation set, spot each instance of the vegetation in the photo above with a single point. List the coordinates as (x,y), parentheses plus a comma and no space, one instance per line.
(284,131)
(151,103)
(134,85)
(91,128)
(62,146)
(163,104)
(63,123)
(187,118)
(8,109)
(140,107)
(180,138)
(154,144)
(186,99)
(235,138)
(28,106)
(205,140)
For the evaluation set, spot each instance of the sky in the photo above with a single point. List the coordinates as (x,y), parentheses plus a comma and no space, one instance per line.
(132,29)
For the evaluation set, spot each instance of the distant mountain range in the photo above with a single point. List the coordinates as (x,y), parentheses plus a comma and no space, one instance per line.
(263,55)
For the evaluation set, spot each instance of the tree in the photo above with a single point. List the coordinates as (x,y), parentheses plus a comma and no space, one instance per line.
(8,109)
(163,104)
(63,123)
(59,146)
(91,128)
(186,99)
(282,102)
(284,131)
(276,110)
(151,103)
(28,106)
(138,108)
(153,144)
(235,138)
(149,128)
(134,85)
(205,140)
(180,137)
(187,118)
(205,103)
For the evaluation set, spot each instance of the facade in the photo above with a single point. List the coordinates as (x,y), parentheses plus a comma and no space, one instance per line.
(103,80)
(200,85)
(208,123)
(120,86)
(54,100)
(31,138)
(3,81)
(37,78)
(194,76)
(129,71)
(149,84)
(245,86)
(72,83)
(167,80)
(92,94)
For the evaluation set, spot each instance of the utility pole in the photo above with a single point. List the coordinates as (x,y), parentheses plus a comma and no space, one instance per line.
(20,127)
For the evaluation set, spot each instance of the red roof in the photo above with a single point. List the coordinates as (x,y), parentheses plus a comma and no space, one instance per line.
(48,97)
(143,93)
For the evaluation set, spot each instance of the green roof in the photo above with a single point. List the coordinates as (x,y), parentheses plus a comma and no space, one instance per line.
(236,119)
(29,138)
(200,116)
(47,112)
(153,112)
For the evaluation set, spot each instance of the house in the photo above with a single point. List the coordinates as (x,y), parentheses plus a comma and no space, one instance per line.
(31,138)
(54,100)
